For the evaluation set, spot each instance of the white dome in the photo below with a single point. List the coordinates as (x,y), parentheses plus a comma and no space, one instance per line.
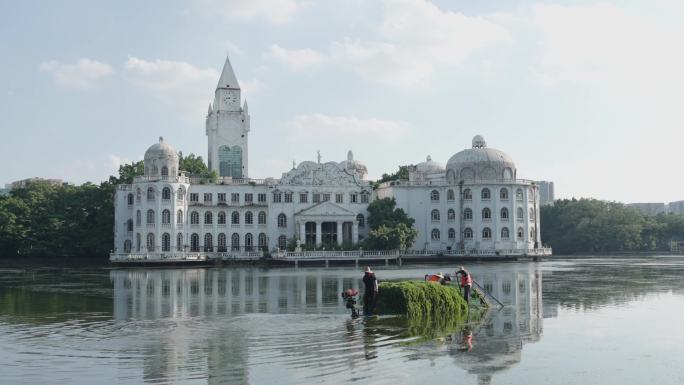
(161,160)
(480,163)
(430,166)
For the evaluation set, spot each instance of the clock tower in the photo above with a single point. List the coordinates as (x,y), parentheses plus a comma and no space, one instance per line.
(227,128)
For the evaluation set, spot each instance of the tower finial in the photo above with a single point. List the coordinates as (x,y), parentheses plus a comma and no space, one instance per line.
(318,155)
(228,79)
(161,139)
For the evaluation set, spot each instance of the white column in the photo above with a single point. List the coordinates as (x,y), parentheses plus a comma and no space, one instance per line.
(339,232)
(319,234)
(355,232)
(302,232)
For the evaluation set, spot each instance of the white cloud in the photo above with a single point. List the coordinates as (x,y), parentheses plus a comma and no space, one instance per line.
(305,127)
(175,83)
(82,75)
(413,40)
(273,11)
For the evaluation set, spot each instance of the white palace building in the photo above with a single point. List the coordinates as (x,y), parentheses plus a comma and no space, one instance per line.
(473,206)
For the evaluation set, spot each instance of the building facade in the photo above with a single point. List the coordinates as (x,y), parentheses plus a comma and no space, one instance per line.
(475,203)
(546,192)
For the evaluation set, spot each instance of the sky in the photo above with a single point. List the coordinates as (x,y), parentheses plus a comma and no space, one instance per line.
(583,93)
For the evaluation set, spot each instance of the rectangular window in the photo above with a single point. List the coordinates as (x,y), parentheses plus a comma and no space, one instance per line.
(326,197)
(353,198)
(364,198)
(249,198)
(207,197)
(194,197)
(303,197)
(235,197)
(316,198)
(262,197)
(288,197)
(221,197)
(277,197)
(338,198)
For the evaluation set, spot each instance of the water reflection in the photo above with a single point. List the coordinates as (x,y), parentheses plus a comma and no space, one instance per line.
(316,347)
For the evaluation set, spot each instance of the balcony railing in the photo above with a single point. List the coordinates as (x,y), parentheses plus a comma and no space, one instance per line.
(171,179)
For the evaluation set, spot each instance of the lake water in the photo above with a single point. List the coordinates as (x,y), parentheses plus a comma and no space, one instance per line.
(598,321)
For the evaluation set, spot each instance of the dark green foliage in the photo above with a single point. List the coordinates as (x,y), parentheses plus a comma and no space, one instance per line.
(590,225)
(401,174)
(127,172)
(194,165)
(419,299)
(390,227)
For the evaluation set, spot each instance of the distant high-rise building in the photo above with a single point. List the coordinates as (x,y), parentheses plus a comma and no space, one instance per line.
(652,209)
(546,194)
(25,182)
(676,207)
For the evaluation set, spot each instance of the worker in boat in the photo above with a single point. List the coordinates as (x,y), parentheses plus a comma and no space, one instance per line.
(466,282)
(370,294)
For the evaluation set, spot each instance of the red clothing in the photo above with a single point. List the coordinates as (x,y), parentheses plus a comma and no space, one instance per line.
(466,280)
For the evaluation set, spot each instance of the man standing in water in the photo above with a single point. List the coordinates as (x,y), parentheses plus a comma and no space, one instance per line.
(370,294)
(466,282)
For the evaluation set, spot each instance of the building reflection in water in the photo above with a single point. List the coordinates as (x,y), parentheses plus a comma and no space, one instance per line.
(206,296)
(499,339)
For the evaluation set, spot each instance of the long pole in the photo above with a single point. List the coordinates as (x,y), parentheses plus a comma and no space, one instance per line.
(489,294)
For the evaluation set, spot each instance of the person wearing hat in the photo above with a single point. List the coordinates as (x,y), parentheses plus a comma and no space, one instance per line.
(370,294)
(466,282)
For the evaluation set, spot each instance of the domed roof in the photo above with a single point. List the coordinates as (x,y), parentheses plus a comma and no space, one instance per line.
(430,166)
(160,150)
(480,162)
(353,164)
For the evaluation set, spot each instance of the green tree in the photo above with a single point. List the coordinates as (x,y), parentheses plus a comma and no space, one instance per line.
(127,172)
(390,227)
(192,164)
(401,174)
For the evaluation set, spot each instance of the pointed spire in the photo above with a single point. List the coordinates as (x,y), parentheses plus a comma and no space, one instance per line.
(228,79)
(245,109)
(209,110)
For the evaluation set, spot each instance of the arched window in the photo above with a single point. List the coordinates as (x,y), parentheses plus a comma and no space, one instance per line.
(208,218)
(486,213)
(486,233)
(521,233)
(166,193)
(262,217)
(138,218)
(451,215)
(222,246)
(221,218)
(452,233)
(486,194)
(435,234)
(504,213)
(282,242)
(230,161)
(138,195)
(505,234)
(468,233)
(235,218)
(208,242)
(179,217)
(194,242)
(521,214)
(530,195)
(194,218)
(468,214)
(180,195)
(150,194)
(467,194)
(150,242)
(434,215)
(249,242)
(434,196)
(282,220)
(130,199)
(532,233)
(450,195)
(166,242)
(165,171)
(179,242)
(262,242)
(518,194)
(249,218)
(532,218)
(127,246)
(129,225)
(235,242)
(503,194)
(137,242)
(150,217)
(361,219)
(166,217)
